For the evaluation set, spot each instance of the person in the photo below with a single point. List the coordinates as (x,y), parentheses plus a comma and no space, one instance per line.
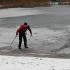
(22,34)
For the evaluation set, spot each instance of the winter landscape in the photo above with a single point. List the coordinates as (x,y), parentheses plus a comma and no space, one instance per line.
(49,47)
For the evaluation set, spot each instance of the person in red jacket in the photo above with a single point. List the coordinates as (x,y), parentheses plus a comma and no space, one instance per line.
(22,34)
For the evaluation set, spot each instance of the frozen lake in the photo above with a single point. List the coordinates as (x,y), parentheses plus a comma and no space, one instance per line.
(50,26)
(51,38)
(54,17)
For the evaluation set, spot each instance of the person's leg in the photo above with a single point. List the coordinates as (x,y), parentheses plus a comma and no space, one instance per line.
(25,40)
(20,41)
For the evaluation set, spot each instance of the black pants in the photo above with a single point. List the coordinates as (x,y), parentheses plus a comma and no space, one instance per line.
(22,35)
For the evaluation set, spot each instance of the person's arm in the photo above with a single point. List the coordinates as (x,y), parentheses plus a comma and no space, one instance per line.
(30,30)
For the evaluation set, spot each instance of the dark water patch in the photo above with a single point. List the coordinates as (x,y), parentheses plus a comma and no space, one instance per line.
(44,20)
(7,51)
(67,45)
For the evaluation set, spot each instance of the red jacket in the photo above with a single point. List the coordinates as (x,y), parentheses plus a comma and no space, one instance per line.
(23,28)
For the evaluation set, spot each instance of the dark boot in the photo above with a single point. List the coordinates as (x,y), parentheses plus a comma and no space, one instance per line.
(26,47)
(19,47)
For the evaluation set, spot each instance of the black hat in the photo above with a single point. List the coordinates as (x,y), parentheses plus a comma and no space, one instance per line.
(25,23)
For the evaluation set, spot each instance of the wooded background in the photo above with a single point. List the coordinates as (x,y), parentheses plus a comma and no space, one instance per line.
(30,3)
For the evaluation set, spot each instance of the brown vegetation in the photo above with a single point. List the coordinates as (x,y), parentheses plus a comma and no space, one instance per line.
(30,3)
(24,3)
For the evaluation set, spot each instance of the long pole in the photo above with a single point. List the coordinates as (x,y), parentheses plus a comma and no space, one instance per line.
(12,41)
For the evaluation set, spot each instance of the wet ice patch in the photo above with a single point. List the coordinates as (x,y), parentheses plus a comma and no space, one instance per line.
(5,50)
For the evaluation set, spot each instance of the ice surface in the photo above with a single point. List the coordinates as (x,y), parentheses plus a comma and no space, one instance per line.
(46,41)
(19,12)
